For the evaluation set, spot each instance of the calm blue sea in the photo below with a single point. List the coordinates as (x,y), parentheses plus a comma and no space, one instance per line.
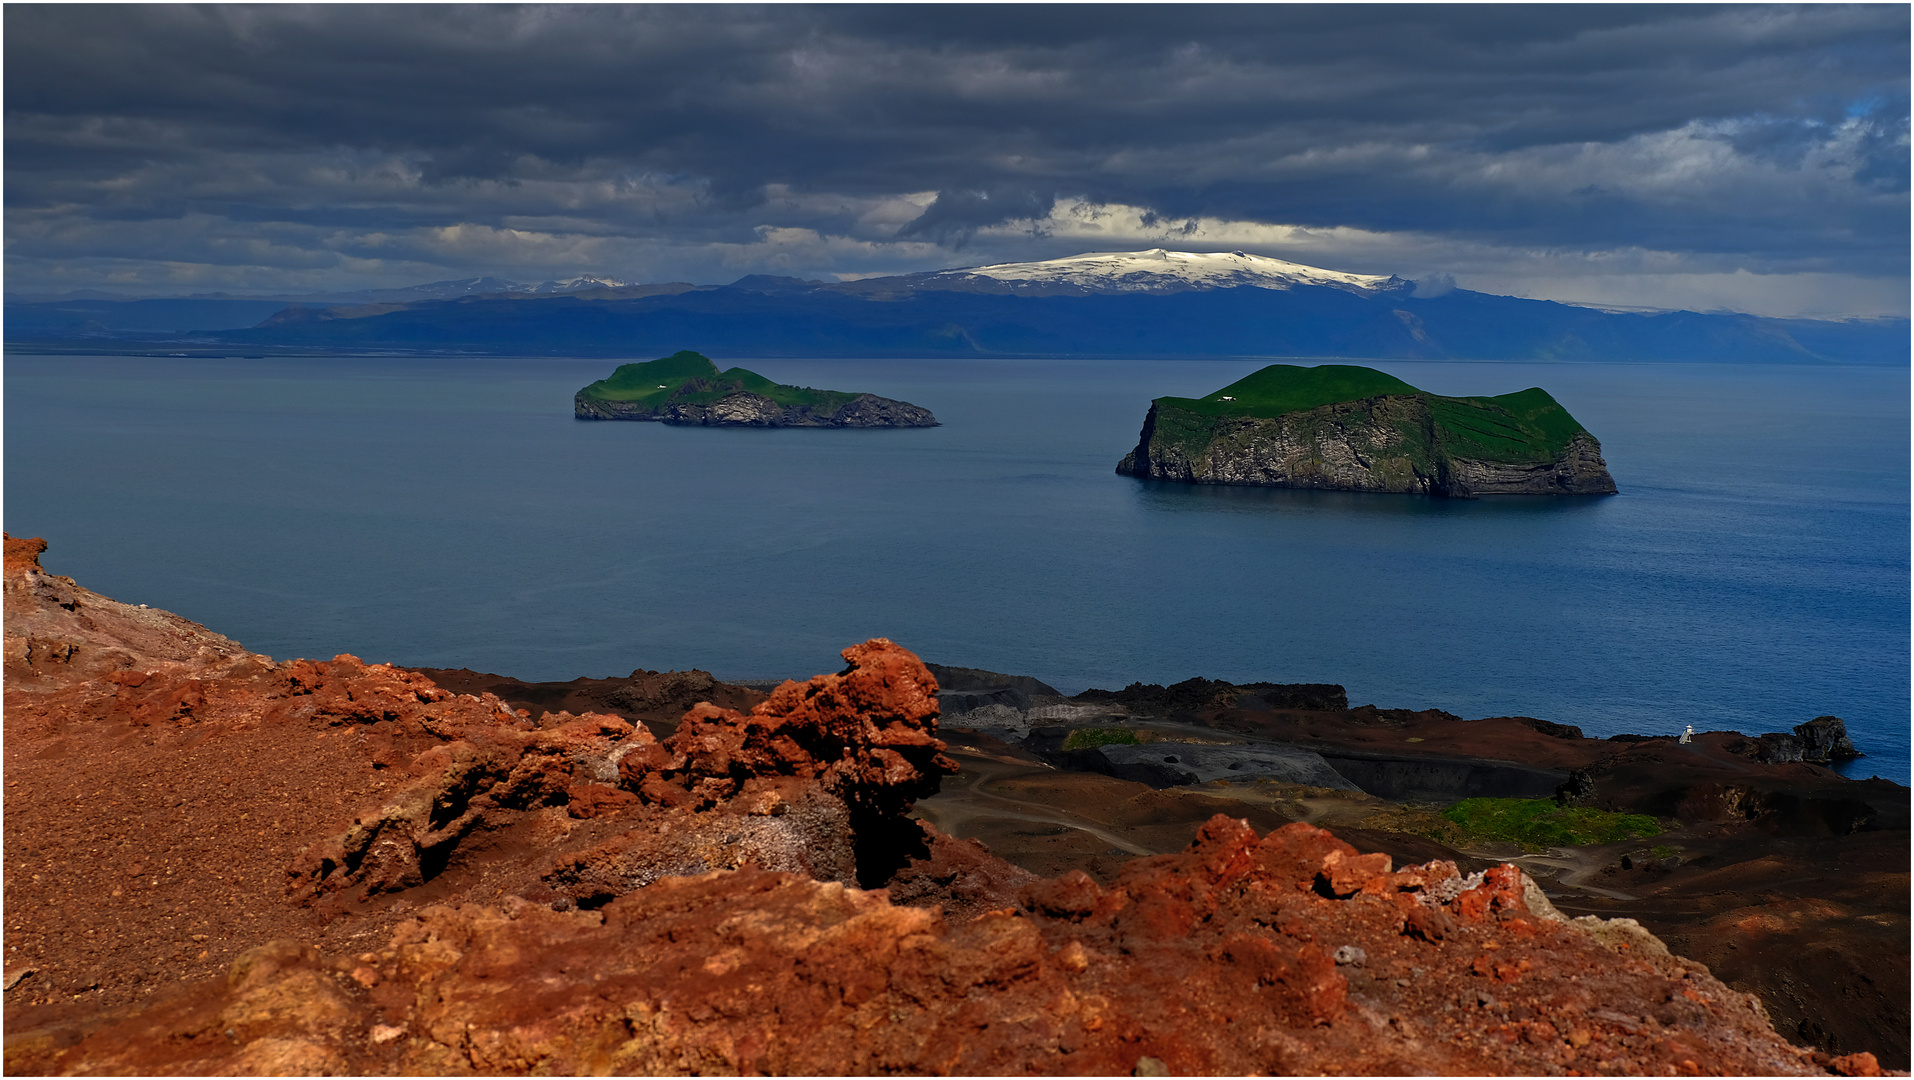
(1752,574)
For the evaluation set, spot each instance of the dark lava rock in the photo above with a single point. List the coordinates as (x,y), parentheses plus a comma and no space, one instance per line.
(1198,693)
(1825,738)
(1170,764)
(1319,696)
(1550,728)
(1821,741)
(978,680)
(1579,788)
(1401,716)
(952,702)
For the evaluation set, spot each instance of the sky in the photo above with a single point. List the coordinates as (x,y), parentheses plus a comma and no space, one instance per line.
(1748,158)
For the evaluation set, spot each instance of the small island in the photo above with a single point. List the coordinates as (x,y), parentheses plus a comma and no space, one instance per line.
(687,388)
(1345,428)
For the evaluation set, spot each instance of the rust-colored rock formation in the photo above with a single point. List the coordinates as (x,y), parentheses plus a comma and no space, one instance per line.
(1234,957)
(221,864)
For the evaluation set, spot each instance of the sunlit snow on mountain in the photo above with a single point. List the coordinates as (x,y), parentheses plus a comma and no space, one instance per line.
(1160,271)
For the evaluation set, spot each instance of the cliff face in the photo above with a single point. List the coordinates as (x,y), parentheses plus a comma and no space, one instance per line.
(1389,443)
(389,878)
(745,409)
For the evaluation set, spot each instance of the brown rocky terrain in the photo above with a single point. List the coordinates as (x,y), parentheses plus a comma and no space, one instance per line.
(1790,881)
(221,863)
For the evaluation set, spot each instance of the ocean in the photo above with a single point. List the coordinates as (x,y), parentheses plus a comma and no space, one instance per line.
(1752,574)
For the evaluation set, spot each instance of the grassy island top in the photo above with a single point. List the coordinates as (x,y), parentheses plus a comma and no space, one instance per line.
(1286,388)
(689,377)
(1522,426)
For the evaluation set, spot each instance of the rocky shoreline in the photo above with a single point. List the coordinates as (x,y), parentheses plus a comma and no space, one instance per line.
(743,409)
(222,863)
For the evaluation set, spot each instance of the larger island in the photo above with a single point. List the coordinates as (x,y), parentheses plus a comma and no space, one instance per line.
(687,388)
(1358,429)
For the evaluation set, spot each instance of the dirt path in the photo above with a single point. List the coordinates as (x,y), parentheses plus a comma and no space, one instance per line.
(1575,869)
(956,808)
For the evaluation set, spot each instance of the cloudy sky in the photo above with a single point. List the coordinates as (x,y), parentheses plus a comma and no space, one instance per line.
(1748,158)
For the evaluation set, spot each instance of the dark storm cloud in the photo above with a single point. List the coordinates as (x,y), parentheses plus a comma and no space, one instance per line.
(957,215)
(394,139)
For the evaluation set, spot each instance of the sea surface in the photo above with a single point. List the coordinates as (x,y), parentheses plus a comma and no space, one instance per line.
(1752,574)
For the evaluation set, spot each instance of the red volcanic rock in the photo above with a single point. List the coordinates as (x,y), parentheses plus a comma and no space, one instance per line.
(60,634)
(959,877)
(1225,959)
(23,554)
(809,769)
(219,864)
(864,735)
(1861,1064)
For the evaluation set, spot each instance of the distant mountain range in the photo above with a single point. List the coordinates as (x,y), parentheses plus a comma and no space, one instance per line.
(437,290)
(1144,303)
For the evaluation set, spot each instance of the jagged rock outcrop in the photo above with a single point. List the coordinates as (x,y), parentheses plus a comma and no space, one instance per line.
(865,735)
(1825,739)
(652,690)
(1578,790)
(1822,741)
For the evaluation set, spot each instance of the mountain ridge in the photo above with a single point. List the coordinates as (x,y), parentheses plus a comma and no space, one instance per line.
(1150,303)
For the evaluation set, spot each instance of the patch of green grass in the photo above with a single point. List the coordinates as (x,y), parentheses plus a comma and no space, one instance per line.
(1522,426)
(1286,388)
(1415,820)
(1527,425)
(639,382)
(691,378)
(1540,823)
(1085,738)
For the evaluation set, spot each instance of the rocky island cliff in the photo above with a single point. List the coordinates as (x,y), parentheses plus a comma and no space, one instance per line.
(687,388)
(1344,428)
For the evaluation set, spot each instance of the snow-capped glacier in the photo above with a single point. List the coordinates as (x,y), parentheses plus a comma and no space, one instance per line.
(1159,270)
(571,285)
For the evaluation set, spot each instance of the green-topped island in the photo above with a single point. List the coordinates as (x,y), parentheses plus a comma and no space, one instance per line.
(1346,428)
(687,388)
